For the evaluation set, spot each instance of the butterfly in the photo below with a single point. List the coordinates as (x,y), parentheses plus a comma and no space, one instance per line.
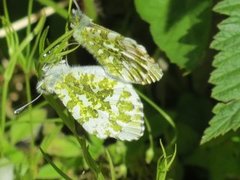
(122,57)
(103,106)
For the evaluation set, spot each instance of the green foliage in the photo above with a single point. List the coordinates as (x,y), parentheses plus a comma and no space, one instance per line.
(66,147)
(219,167)
(48,172)
(164,163)
(63,175)
(176,27)
(226,76)
(62,12)
(21,128)
(45,142)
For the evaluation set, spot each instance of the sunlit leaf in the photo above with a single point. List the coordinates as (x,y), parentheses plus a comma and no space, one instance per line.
(179,28)
(226,76)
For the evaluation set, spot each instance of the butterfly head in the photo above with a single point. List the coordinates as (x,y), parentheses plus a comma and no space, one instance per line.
(51,74)
(79,20)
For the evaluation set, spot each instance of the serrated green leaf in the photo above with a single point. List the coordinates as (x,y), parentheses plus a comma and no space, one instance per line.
(226,119)
(227,38)
(228,7)
(226,76)
(181,29)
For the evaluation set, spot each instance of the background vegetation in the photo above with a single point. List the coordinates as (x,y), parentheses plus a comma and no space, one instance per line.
(195,105)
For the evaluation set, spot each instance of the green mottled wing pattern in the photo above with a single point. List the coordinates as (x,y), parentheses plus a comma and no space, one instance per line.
(121,57)
(103,106)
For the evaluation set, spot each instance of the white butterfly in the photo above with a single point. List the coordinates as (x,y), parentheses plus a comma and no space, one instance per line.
(122,57)
(104,106)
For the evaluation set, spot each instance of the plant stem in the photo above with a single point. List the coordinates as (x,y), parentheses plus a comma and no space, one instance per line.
(150,137)
(162,112)
(90,161)
(3,114)
(31,155)
(113,176)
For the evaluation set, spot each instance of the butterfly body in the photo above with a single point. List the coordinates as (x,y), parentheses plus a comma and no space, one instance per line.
(103,106)
(122,57)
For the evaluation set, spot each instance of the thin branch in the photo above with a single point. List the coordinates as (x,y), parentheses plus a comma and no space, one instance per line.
(23,23)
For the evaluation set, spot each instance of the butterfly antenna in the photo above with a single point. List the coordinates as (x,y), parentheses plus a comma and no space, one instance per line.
(17,111)
(76,4)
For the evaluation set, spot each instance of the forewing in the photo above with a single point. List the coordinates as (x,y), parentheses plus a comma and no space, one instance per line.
(103,106)
(120,56)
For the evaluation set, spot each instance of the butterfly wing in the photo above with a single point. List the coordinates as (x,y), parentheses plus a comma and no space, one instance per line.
(121,57)
(103,106)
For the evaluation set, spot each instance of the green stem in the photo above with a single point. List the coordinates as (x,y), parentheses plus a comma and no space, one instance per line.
(48,159)
(149,157)
(90,9)
(165,115)
(164,163)
(4,93)
(149,129)
(70,123)
(31,155)
(90,161)
(111,165)
(8,75)
(28,31)
(3,114)
(155,106)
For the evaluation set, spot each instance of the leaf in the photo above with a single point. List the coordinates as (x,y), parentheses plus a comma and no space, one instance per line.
(64,146)
(216,160)
(96,147)
(226,75)
(60,172)
(27,124)
(179,28)
(226,119)
(48,172)
(16,157)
